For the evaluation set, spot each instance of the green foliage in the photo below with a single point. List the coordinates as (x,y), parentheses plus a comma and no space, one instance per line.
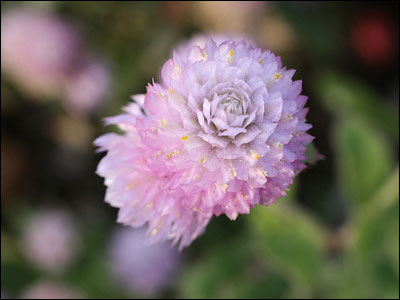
(376,233)
(364,158)
(285,250)
(346,97)
(231,272)
(291,241)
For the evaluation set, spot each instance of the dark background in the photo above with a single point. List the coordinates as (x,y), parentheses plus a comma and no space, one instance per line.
(335,234)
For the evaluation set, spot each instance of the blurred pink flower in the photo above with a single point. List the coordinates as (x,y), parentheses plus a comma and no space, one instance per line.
(224,131)
(44,55)
(50,290)
(38,50)
(138,266)
(88,87)
(50,240)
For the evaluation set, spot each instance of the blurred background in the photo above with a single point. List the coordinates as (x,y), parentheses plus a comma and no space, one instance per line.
(66,65)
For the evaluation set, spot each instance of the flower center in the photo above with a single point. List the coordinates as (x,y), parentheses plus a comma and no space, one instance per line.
(232,104)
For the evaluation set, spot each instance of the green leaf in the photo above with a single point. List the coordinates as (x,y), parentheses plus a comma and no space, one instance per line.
(345,96)
(376,237)
(230,271)
(364,158)
(291,241)
(370,267)
(16,277)
(386,196)
(212,274)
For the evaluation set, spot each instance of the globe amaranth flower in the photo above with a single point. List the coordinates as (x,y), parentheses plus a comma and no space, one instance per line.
(86,91)
(45,56)
(139,267)
(224,131)
(51,240)
(38,50)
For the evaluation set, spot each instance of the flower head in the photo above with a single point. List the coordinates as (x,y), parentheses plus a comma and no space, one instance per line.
(87,89)
(138,266)
(45,56)
(50,240)
(38,50)
(223,132)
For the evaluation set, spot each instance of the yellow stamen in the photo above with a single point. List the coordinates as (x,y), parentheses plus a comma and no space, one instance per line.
(224,187)
(202,159)
(196,177)
(171,91)
(297,133)
(163,122)
(289,116)
(277,76)
(204,55)
(255,155)
(231,55)
(171,154)
(177,70)
(184,138)
(162,96)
